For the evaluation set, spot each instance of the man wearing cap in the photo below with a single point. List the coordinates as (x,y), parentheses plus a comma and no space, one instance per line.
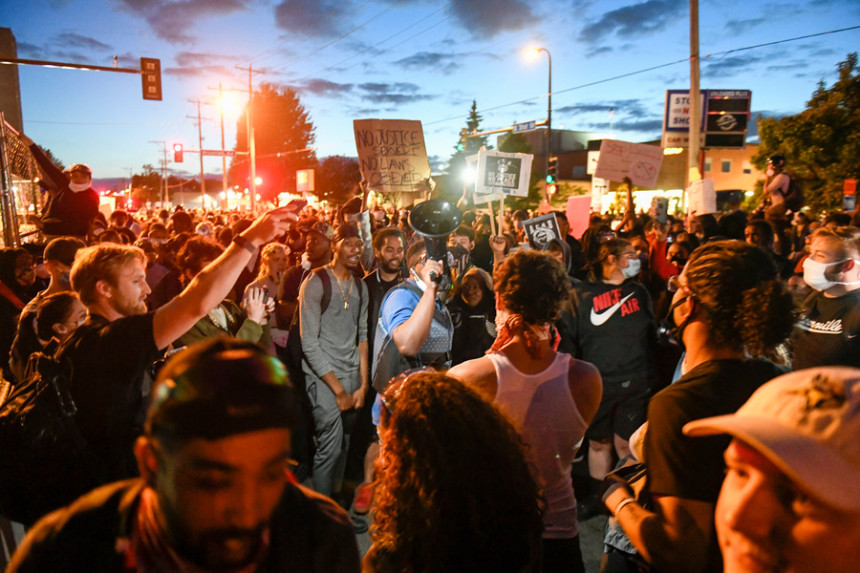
(215,492)
(73,203)
(335,361)
(791,497)
(317,253)
(59,256)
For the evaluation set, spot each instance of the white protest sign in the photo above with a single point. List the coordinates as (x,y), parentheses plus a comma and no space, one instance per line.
(541,230)
(620,159)
(502,174)
(391,154)
(701,197)
(578,214)
(659,209)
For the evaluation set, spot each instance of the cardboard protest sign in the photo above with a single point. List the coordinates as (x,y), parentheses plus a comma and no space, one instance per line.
(391,154)
(578,214)
(660,209)
(502,174)
(541,230)
(620,159)
(701,197)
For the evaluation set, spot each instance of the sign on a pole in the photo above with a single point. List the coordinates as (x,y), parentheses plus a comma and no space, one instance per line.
(676,119)
(541,230)
(524,126)
(304,180)
(150,73)
(620,159)
(726,118)
(217,152)
(391,154)
(502,174)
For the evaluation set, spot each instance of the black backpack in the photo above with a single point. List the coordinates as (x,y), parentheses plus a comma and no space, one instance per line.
(794,200)
(303,445)
(45,459)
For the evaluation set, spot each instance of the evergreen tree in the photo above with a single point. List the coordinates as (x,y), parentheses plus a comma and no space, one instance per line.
(822,143)
(470,146)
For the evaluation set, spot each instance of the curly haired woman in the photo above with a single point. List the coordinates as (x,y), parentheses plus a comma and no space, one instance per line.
(550,397)
(730,309)
(454,491)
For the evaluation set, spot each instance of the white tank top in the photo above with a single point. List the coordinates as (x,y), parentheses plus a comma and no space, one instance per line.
(542,409)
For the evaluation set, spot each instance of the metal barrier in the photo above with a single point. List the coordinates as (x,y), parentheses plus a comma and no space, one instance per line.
(19,188)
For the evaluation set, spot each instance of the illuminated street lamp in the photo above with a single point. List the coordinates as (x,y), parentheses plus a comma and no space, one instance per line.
(534,52)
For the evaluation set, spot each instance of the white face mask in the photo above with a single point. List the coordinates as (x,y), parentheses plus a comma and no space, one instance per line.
(814,274)
(78,187)
(632,268)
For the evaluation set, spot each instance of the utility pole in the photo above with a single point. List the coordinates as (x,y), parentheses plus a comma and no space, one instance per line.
(693,173)
(223,155)
(251,142)
(200,147)
(162,191)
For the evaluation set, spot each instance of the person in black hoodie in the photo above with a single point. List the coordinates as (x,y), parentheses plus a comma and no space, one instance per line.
(613,327)
(473,311)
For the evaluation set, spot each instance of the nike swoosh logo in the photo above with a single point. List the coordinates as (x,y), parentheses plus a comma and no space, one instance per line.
(598,319)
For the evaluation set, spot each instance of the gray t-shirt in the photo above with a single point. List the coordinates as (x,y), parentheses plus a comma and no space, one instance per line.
(330,341)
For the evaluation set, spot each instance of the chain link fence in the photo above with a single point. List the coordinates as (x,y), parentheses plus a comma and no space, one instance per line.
(19,188)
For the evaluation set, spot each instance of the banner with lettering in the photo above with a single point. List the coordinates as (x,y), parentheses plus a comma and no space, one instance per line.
(391,154)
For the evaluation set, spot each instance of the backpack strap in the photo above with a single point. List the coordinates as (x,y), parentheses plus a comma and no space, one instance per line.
(325,300)
(438,315)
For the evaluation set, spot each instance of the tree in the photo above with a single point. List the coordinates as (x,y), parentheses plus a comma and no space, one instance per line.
(821,143)
(283,132)
(336,179)
(471,145)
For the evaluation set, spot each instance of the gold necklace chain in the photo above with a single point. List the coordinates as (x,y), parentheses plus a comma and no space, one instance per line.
(348,294)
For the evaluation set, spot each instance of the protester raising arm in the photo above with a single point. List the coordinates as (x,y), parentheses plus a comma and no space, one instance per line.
(214,282)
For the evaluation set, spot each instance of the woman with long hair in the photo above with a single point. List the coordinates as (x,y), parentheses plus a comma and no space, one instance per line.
(730,310)
(473,312)
(453,490)
(550,397)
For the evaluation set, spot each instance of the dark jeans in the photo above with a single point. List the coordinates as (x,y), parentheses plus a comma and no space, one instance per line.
(562,556)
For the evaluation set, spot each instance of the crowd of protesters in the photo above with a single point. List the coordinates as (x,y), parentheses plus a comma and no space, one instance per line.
(627,342)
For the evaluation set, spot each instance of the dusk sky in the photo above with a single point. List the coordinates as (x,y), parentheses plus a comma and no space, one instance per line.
(403,59)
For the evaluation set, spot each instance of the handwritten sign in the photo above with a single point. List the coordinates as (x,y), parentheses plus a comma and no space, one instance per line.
(391,154)
(620,159)
(578,213)
(541,230)
(502,174)
(701,197)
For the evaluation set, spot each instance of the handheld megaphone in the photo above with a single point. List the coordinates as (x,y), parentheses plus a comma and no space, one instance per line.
(434,220)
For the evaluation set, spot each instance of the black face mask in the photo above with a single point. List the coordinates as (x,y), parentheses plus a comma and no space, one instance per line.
(676,330)
(679,261)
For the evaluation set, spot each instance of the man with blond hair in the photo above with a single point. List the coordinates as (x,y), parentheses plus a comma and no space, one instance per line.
(112,351)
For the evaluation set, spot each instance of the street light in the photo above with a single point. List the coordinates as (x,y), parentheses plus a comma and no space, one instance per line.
(535,52)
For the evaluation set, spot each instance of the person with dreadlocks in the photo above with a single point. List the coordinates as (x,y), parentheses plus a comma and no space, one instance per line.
(550,396)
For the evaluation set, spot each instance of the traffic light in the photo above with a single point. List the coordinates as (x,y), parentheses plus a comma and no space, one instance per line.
(552,189)
(177,152)
(552,171)
(463,139)
(150,73)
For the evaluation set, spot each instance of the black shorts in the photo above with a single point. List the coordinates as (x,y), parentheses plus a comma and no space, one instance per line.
(623,408)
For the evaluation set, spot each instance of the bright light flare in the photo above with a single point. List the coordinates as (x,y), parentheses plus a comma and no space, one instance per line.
(469,174)
(532,53)
(258,180)
(228,102)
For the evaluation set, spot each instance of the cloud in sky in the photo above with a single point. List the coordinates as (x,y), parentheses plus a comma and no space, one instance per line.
(171,20)
(321,87)
(729,66)
(311,17)
(72,40)
(399,93)
(634,20)
(486,18)
(435,61)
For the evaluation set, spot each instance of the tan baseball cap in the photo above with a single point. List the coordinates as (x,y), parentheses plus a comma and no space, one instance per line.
(808,424)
